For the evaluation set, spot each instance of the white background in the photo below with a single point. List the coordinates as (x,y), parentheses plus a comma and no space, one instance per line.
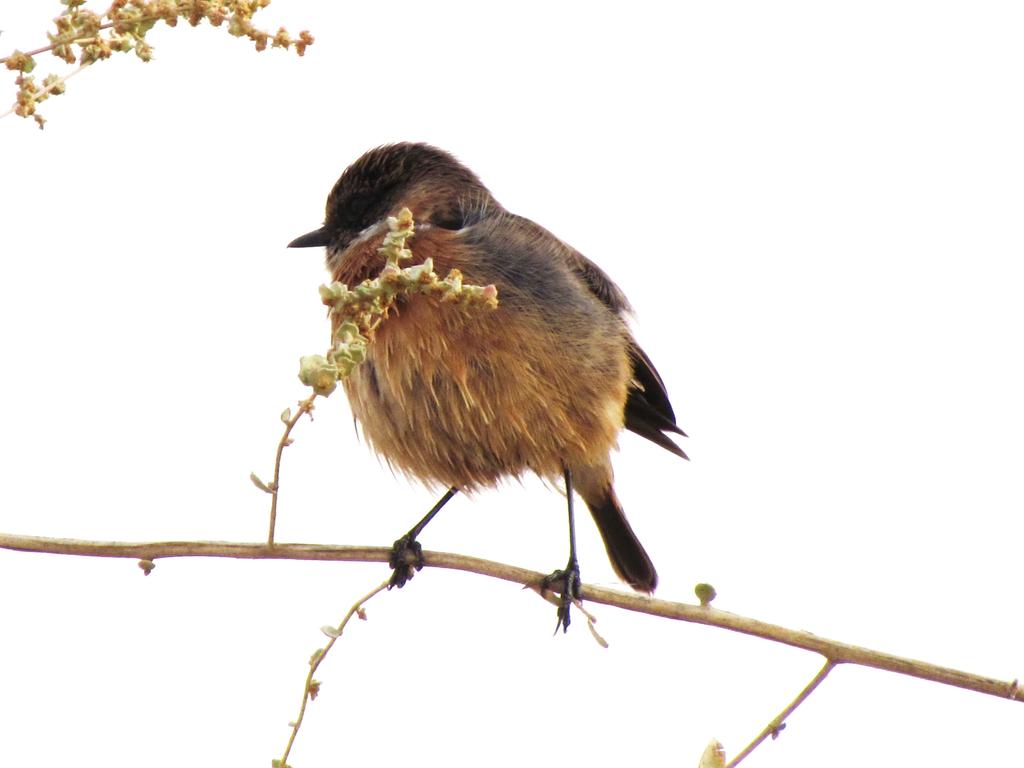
(815,209)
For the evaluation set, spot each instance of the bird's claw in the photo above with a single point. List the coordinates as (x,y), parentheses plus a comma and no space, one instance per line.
(405,559)
(567,583)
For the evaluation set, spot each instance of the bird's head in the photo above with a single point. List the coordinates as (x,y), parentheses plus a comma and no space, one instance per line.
(436,187)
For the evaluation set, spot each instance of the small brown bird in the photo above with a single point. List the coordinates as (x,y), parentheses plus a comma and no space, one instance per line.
(463,398)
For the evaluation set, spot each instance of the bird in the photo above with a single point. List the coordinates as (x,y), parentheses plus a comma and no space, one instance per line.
(463,398)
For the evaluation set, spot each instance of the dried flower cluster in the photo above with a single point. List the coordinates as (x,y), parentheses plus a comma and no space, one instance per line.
(358,311)
(84,37)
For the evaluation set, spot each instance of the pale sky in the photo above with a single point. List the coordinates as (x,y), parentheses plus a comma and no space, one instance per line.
(815,210)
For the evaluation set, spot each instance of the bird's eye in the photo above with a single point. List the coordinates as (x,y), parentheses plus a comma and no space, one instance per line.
(448,220)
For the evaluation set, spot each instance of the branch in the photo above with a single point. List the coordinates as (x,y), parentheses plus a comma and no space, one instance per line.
(834,651)
(774,728)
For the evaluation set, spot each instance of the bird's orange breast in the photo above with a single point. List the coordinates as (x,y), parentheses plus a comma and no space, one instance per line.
(463,396)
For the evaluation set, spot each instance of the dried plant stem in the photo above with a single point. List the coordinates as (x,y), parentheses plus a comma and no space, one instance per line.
(833,650)
(54,84)
(99,27)
(776,725)
(123,27)
(34,52)
(71,41)
(309,690)
(305,406)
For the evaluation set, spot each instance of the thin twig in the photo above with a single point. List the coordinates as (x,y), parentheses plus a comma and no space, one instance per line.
(776,725)
(314,662)
(838,652)
(69,41)
(46,89)
(305,406)
(36,52)
(591,623)
(143,18)
(78,40)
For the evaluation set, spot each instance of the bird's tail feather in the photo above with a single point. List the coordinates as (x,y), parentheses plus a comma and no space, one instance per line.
(628,556)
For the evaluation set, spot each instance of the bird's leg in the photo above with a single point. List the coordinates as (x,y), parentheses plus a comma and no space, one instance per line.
(568,580)
(406,553)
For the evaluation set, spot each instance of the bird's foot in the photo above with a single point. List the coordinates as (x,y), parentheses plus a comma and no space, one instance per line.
(405,559)
(567,583)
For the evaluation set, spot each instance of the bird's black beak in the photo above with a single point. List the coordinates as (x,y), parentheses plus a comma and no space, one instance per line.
(312,239)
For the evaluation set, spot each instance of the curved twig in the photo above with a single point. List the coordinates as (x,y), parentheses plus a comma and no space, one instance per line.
(312,686)
(774,728)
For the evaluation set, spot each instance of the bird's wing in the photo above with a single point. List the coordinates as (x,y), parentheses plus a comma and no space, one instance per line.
(648,410)
(598,282)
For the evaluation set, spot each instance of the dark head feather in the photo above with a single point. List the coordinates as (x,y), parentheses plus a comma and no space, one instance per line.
(428,180)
